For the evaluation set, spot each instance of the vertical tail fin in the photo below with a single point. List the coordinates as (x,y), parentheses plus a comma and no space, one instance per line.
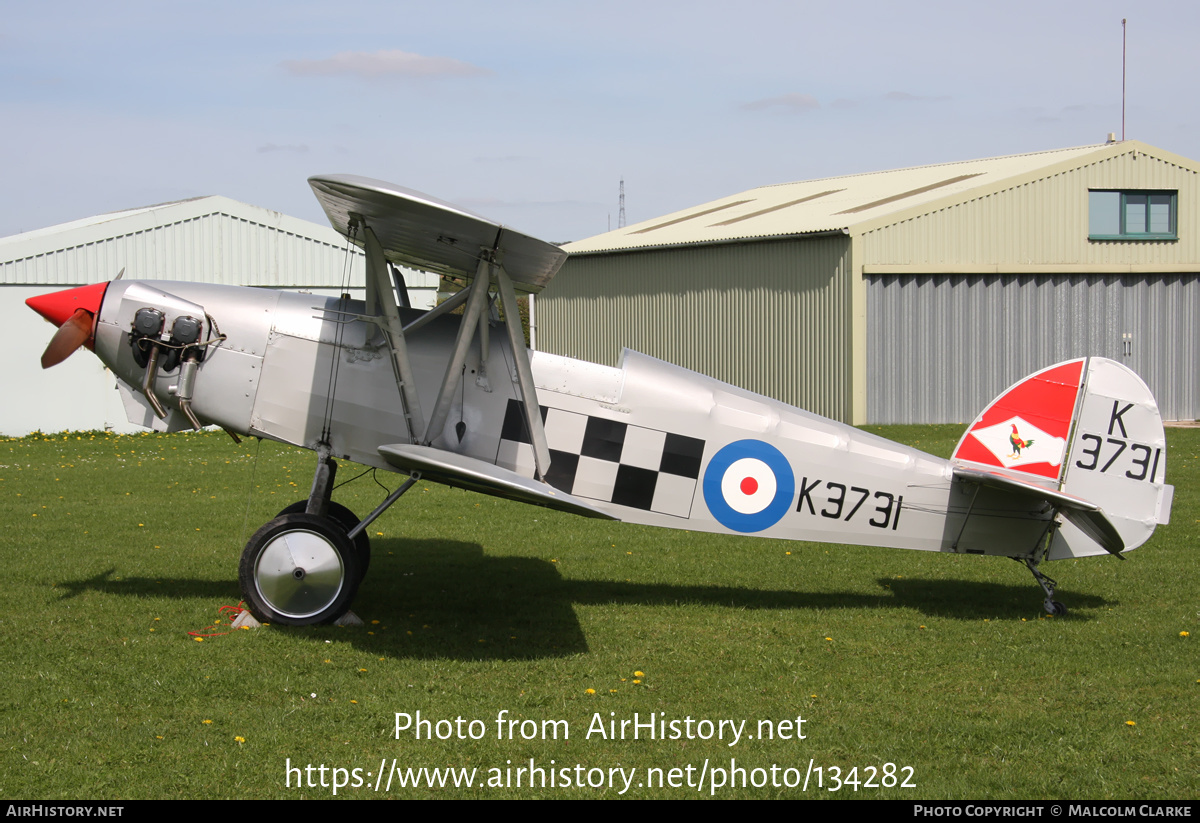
(1089,428)
(1027,427)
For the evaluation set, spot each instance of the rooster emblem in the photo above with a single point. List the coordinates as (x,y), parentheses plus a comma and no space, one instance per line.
(1017,443)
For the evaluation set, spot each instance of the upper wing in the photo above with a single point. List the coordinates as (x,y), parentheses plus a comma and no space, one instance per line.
(422,232)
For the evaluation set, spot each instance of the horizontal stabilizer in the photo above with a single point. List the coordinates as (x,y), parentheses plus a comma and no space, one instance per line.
(425,233)
(468,473)
(1087,517)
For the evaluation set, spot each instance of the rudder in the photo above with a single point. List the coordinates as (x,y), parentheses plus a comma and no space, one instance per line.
(1118,456)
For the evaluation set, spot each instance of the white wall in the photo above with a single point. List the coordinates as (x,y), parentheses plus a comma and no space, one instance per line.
(79,394)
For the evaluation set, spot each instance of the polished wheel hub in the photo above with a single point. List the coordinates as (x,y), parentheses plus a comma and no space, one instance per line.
(299,573)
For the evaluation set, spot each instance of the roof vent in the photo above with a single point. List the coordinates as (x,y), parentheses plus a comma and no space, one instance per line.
(1112,137)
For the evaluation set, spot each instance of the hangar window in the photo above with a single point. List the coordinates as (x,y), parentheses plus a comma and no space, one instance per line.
(1131,215)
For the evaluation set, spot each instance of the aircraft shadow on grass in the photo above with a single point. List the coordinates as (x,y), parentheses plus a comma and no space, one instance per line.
(448,599)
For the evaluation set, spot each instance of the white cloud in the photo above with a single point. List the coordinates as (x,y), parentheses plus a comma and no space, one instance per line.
(906,97)
(794,101)
(387,63)
(270,147)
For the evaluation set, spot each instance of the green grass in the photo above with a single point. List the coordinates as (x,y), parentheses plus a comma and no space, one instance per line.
(119,546)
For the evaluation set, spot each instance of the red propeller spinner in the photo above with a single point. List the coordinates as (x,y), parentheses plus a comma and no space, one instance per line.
(74,312)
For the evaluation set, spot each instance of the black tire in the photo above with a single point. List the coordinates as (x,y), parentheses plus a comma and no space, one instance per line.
(347,520)
(299,570)
(1057,609)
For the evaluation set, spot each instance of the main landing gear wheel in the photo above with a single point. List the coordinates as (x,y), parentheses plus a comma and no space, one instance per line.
(299,570)
(1053,607)
(347,520)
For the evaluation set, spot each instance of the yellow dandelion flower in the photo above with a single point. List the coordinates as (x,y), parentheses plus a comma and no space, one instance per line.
(355,702)
(240,739)
(636,681)
(830,639)
(362,670)
(589,691)
(639,674)
(206,722)
(199,639)
(1130,723)
(1183,634)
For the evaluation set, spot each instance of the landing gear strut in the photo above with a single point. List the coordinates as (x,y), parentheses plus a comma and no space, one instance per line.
(1048,584)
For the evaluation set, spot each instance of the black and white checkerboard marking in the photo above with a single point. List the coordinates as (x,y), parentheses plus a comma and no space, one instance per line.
(606,460)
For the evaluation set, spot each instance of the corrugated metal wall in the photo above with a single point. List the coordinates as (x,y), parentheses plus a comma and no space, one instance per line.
(771,316)
(940,347)
(1162,316)
(213,248)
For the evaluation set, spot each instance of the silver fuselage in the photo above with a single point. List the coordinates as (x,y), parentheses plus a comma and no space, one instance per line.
(642,441)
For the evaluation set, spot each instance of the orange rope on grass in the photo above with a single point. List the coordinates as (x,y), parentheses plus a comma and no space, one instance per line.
(231,612)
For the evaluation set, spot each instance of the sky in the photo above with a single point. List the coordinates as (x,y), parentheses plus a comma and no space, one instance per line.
(531,113)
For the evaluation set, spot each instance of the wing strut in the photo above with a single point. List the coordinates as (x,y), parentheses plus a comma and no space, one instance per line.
(381,300)
(466,333)
(516,341)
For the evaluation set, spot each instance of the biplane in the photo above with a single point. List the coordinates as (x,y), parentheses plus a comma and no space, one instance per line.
(1068,462)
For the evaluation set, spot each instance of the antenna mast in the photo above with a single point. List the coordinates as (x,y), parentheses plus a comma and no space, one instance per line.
(1122,79)
(621,212)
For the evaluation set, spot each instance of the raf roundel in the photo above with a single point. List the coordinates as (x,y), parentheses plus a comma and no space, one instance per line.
(748,486)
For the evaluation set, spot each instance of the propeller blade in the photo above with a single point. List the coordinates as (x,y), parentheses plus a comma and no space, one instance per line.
(72,334)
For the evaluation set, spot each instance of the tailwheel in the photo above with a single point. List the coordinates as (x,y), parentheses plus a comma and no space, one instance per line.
(347,520)
(299,570)
(1048,584)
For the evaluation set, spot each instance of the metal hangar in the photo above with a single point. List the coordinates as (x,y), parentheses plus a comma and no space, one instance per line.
(907,296)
